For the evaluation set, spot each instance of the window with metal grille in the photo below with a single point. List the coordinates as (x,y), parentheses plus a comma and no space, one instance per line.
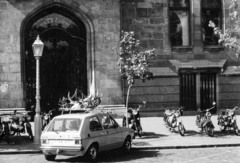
(188,91)
(207,89)
(197,90)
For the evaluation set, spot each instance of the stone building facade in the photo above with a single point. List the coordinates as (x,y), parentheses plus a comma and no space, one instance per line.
(79,36)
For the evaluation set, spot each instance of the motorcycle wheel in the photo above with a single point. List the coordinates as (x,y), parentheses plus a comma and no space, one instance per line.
(222,127)
(181,129)
(139,131)
(11,132)
(29,131)
(197,121)
(164,118)
(209,130)
(236,129)
(1,133)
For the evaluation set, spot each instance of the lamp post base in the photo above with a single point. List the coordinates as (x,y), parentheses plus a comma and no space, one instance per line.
(37,128)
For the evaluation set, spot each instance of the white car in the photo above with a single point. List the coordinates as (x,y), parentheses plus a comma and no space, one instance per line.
(84,134)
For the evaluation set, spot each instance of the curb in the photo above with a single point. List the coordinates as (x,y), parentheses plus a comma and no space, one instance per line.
(135,148)
(20,152)
(184,146)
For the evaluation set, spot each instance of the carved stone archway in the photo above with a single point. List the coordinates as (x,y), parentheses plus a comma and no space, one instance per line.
(68,56)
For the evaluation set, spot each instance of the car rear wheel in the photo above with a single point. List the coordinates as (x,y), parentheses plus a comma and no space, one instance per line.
(126,145)
(92,153)
(50,157)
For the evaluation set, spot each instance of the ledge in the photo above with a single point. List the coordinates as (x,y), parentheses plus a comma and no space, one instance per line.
(231,70)
(197,64)
(162,71)
(213,49)
(182,49)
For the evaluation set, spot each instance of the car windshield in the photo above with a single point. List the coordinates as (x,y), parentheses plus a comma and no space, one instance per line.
(65,125)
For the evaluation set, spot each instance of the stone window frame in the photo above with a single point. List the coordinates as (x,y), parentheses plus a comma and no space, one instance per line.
(213,47)
(181,48)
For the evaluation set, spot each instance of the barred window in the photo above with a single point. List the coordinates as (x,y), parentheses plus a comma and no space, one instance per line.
(211,11)
(179,11)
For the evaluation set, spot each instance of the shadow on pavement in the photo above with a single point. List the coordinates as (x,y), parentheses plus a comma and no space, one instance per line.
(115,156)
(18,143)
(150,135)
(224,134)
(217,134)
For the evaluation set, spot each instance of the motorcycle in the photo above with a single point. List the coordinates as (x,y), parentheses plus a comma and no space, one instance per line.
(172,119)
(18,124)
(133,121)
(228,120)
(204,122)
(4,128)
(46,119)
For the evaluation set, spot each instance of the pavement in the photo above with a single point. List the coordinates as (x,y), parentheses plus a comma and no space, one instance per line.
(155,136)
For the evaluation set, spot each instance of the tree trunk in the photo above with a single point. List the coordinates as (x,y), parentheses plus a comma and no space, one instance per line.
(127,104)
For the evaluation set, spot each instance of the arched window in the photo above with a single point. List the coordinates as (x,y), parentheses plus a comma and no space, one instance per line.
(179,11)
(211,11)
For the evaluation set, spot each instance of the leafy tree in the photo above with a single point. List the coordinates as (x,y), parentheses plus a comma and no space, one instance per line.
(228,37)
(133,62)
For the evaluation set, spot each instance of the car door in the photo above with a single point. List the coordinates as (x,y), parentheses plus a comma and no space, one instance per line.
(113,132)
(97,134)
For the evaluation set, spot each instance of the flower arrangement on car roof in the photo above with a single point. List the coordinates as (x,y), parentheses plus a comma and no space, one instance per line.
(79,101)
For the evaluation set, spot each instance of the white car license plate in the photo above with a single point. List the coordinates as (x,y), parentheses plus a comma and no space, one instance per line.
(61,142)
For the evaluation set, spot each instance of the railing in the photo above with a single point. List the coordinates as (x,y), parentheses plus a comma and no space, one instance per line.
(11,110)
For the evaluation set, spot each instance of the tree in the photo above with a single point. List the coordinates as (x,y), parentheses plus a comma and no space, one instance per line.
(228,37)
(133,62)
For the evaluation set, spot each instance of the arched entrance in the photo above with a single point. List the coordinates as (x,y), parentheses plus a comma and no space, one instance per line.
(63,65)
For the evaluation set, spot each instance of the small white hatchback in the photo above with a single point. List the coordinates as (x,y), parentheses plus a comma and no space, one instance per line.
(84,134)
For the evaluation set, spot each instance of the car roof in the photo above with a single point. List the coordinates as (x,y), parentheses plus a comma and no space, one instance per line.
(81,115)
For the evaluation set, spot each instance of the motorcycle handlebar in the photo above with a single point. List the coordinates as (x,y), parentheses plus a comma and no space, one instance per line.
(236,107)
(207,110)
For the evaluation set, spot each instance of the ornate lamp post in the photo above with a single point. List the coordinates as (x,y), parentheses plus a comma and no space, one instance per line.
(37,51)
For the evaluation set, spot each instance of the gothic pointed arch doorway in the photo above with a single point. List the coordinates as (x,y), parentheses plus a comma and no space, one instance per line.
(63,65)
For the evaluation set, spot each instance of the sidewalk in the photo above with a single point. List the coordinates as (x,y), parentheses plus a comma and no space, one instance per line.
(155,136)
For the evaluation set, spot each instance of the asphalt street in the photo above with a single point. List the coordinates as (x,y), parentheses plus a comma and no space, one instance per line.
(196,155)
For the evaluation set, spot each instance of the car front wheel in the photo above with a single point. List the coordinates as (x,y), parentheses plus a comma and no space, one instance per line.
(126,145)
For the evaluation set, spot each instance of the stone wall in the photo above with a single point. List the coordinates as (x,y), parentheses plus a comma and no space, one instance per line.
(150,21)
(229,91)
(159,93)
(11,93)
(105,16)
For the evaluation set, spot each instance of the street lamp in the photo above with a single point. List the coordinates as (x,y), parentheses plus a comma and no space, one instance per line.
(37,51)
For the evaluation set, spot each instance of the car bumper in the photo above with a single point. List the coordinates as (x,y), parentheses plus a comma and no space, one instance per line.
(63,150)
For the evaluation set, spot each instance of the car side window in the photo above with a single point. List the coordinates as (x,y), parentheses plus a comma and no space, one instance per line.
(95,124)
(108,122)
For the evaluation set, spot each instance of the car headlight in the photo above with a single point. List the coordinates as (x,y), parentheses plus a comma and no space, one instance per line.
(44,141)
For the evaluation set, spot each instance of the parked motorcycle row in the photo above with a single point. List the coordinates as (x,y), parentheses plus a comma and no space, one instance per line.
(15,124)
(226,120)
